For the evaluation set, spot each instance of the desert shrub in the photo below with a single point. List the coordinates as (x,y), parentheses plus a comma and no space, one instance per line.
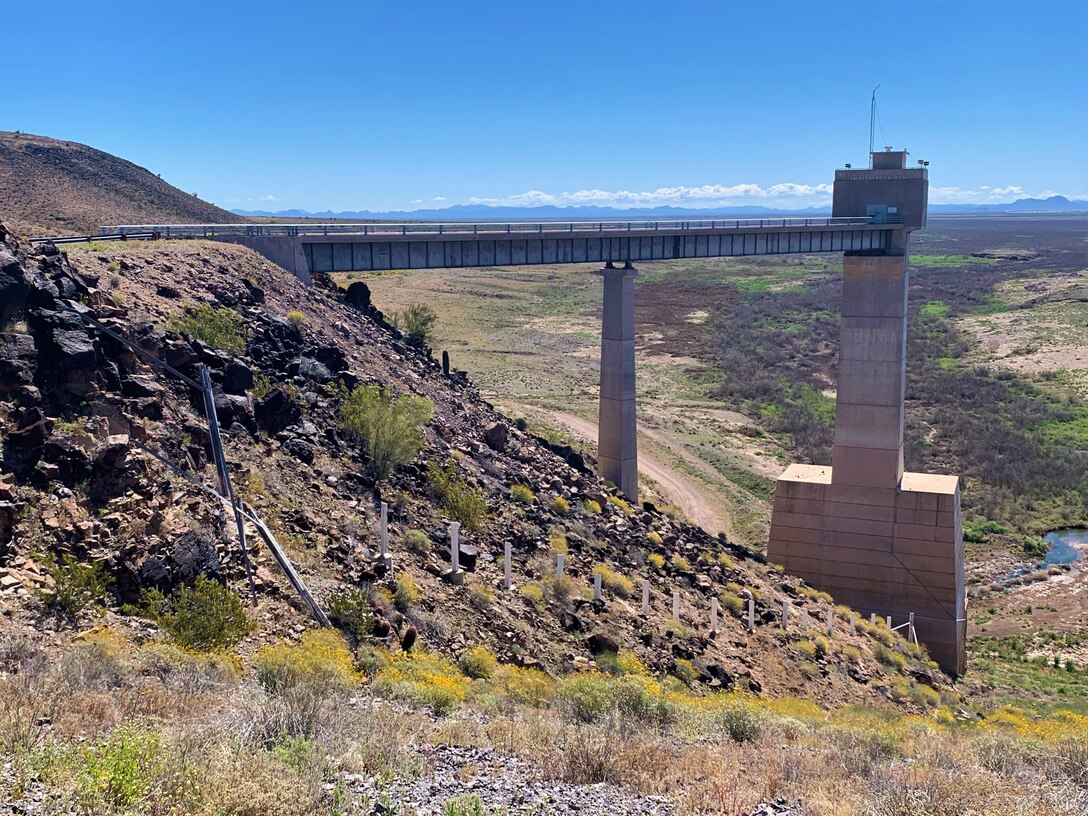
(591,507)
(219,328)
(477,662)
(924,696)
(119,771)
(623,663)
(481,597)
(320,661)
(613,581)
(726,562)
(468,804)
(417,323)
(522,494)
(851,653)
(888,657)
(525,686)
(653,538)
(296,318)
(686,671)
(740,720)
(75,585)
(584,696)
(390,427)
(461,502)
(560,505)
(186,669)
(423,679)
(680,564)
(815,595)
(623,506)
(207,616)
(351,610)
(534,593)
(417,541)
(557,543)
(656,560)
(732,602)
(405,591)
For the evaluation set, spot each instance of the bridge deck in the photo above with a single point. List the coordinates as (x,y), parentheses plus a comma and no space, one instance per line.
(373,247)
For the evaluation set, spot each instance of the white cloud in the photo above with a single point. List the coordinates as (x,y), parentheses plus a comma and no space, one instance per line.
(416,201)
(268,197)
(438,198)
(786,194)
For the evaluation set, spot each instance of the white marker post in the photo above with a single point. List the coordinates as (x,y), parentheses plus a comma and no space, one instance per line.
(676,605)
(596,586)
(910,630)
(645,597)
(559,564)
(804,621)
(751,615)
(854,622)
(384,558)
(785,613)
(507,574)
(830,620)
(455,576)
(713,616)
(872,618)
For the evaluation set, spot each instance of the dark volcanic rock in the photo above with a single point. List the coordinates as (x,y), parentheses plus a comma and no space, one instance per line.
(358,296)
(275,411)
(311,369)
(300,450)
(237,377)
(496,436)
(600,642)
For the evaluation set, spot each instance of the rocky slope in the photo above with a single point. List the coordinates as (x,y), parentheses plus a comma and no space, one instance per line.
(79,408)
(53,187)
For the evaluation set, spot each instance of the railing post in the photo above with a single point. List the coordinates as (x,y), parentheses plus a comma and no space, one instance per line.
(559,564)
(751,615)
(596,586)
(507,570)
(676,605)
(455,576)
(385,559)
(645,596)
(785,613)
(713,616)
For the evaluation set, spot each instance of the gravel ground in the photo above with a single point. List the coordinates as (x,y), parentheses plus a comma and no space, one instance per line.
(505,783)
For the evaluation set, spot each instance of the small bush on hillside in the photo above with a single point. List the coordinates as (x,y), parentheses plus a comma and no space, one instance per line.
(75,585)
(461,502)
(560,505)
(417,323)
(623,506)
(208,616)
(223,329)
(418,542)
(591,507)
(478,662)
(296,317)
(888,657)
(390,427)
(351,610)
(732,602)
(319,661)
(468,804)
(654,538)
(613,581)
(405,591)
(557,543)
(814,595)
(656,561)
(680,564)
(522,494)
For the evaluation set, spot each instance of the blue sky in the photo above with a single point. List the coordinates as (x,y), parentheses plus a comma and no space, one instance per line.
(403,105)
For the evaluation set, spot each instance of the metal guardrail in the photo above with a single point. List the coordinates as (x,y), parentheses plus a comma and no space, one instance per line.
(86,239)
(488,227)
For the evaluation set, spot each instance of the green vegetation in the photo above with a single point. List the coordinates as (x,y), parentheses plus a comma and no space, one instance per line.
(463,503)
(207,616)
(75,585)
(222,329)
(297,318)
(522,494)
(478,662)
(417,323)
(613,581)
(560,505)
(948,261)
(351,610)
(390,427)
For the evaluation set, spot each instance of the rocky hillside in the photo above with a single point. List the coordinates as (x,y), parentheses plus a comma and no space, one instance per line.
(79,409)
(51,187)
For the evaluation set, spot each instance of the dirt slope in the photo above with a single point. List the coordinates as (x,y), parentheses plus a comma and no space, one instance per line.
(50,187)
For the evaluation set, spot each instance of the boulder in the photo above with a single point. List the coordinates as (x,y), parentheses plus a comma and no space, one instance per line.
(496,436)
(600,642)
(275,411)
(313,370)
(300,449)
(358,296)
(237,377)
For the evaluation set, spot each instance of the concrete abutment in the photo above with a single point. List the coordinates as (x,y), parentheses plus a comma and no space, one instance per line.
(617,438)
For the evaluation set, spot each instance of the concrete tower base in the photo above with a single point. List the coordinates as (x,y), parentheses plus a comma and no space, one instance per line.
(876,538)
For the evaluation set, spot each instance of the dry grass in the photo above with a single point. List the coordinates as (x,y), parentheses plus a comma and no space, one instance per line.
(112,728)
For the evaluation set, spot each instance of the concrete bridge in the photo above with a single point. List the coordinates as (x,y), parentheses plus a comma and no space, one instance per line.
(881,540)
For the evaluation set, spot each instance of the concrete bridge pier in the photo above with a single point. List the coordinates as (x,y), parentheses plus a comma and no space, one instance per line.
(617,441)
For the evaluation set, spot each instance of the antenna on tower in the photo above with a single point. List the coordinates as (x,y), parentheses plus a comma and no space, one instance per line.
(872,123)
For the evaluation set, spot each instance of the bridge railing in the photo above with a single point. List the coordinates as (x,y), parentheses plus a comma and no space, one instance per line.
(459,229)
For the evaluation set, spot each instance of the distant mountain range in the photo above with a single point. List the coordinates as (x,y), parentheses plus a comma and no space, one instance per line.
(484,212)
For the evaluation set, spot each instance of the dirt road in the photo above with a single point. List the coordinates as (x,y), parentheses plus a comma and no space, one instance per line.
(682,490)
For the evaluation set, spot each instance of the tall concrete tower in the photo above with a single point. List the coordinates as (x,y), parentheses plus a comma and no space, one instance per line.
(878,538)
